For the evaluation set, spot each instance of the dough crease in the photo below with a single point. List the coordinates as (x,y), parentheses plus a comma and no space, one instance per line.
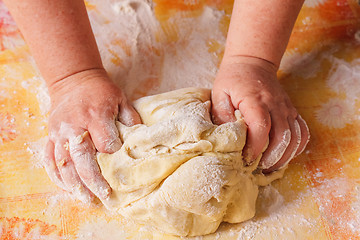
(178,171)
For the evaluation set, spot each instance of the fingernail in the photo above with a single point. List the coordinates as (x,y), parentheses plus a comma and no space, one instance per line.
(113,146)
(79,193)
(85,199)
(126,116)
(248,156)
(105,193)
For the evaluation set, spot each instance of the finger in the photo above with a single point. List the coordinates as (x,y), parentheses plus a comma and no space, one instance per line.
(83,155)
(258,120)
(128,115)
(279,139)
(50,166)
(292,147)
(222,110)
(305,135)
(105,136)
(68,173)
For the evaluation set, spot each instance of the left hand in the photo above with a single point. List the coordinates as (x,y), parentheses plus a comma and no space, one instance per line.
(84,107)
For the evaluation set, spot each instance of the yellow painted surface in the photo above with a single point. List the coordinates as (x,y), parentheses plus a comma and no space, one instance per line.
(319,197)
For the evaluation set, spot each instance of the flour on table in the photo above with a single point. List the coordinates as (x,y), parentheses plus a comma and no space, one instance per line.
(178,171)
(141,54)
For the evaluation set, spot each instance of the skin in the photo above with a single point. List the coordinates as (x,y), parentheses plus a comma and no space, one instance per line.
(83,98)
(85,102)
(258,35)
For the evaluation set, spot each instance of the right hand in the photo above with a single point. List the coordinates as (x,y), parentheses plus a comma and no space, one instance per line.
(84,107)
(250,85)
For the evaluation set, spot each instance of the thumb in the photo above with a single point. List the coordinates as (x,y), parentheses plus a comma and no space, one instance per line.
(105,136)
(128,115)
(222,109)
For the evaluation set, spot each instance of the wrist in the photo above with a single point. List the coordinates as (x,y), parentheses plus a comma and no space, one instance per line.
(232,60)
(252,52)
(74,80)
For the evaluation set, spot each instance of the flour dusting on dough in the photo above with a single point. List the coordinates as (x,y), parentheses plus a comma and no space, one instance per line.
(142,57)
(178,171)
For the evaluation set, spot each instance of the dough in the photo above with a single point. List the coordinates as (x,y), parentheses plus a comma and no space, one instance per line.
(178,171)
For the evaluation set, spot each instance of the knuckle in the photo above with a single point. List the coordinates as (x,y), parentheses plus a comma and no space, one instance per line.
(59,155)
(283,107)
(78,153)
(263,120)
(261,125)
(267,97)
(80,149)
(262,110)
(292,112)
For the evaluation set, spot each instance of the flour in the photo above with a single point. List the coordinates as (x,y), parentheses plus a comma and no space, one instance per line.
(339,190)
(139,51)
(37,151)
(43,97)
(144,56)
(101,229)
(278,222)
(274,200)
(336,113)
(354,223)
(140,54)
(276,153)
(198,181)
(344,77)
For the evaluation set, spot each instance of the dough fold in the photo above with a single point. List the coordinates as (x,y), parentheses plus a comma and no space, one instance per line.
(178,171)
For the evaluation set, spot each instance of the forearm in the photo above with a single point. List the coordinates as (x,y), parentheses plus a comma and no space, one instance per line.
(59,36)
(261,29)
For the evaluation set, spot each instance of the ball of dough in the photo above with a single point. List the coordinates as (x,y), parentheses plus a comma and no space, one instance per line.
(178,171)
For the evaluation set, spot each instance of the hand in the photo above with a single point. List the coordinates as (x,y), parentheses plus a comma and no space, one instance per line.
(82,120)
(250,85)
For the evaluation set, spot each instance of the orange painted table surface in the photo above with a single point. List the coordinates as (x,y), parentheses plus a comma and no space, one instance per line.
(319,196)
